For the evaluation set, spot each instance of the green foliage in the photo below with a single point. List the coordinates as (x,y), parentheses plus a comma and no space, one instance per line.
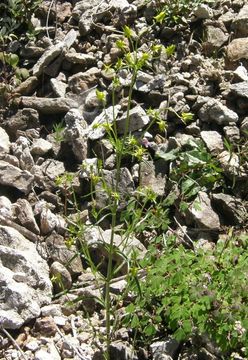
(58,133)
(194,293)
(175,11)
(15,14)
(193,169)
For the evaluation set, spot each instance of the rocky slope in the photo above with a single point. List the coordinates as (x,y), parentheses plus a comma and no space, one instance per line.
(51,125)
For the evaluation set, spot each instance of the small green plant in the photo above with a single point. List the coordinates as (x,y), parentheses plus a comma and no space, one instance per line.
(187,293)
(175,12)
(58,132)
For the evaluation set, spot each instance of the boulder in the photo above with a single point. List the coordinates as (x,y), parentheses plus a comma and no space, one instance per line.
(240,22)
(215,112)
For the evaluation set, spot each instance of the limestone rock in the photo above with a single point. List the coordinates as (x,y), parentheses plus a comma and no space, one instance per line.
(214,111)
(202,213)
(40,147)
(240,22)
(237,49)
(58,251)
(53,51)
(48,105)
(213,141)
(4,141)
(24,119)
(230,209)
(214,39)
(63,280)
(25,284)
(153,175)
(14,177)
(137,120)
(24,213)
(97,239)
(167,347)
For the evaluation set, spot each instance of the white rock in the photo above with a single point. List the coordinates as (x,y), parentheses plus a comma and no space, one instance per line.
(4,141)
(203,11)
(21,297)
(40,147)
(202,212)
(137,120)
(213,141)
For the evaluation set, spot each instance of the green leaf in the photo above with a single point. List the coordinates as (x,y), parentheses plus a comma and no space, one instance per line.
(169,156)
(13,60)
(150,330)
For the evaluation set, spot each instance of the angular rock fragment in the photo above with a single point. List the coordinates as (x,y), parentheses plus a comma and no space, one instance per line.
(28,86)
(24,280)
(214,111)
(240,22)
(22,120)
(214,39)
(153,175)
(59,252)
(63,280)
(53,51)
(14,177)
(231,209)
(137,120)
(237,50)
(98,240)
(48,105)
(24,213)
(40,147)
(4,141)
(202,213)
(213,141)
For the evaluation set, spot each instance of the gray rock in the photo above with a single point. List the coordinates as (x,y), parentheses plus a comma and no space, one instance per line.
(24,213)
(58,251)
(25,284)
(237,50)
(80,58)
(76,134)
(40,147)
(21,150)
(232,133)
(137,120)
(5,207)
(230,209)
(121,351)
(22,120)
(214,111)
(230,164)
(126,186)
(203,11)
(97,239)
(53,51)
(241,73)
(14,177)
(82,81)
(48,221)
(4,141)
(167,347)
(244,127)
(240,22)
(52,168)
(63,277)
(153,175)
(49,105)
(59,87)
(215,37)
(28,86)
(213,141)
(97,129)
(202,214)
(240,89)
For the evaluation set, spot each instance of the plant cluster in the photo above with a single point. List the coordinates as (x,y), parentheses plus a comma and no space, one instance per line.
(189,293)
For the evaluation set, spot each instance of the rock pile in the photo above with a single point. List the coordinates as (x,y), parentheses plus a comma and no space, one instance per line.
(55,126)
